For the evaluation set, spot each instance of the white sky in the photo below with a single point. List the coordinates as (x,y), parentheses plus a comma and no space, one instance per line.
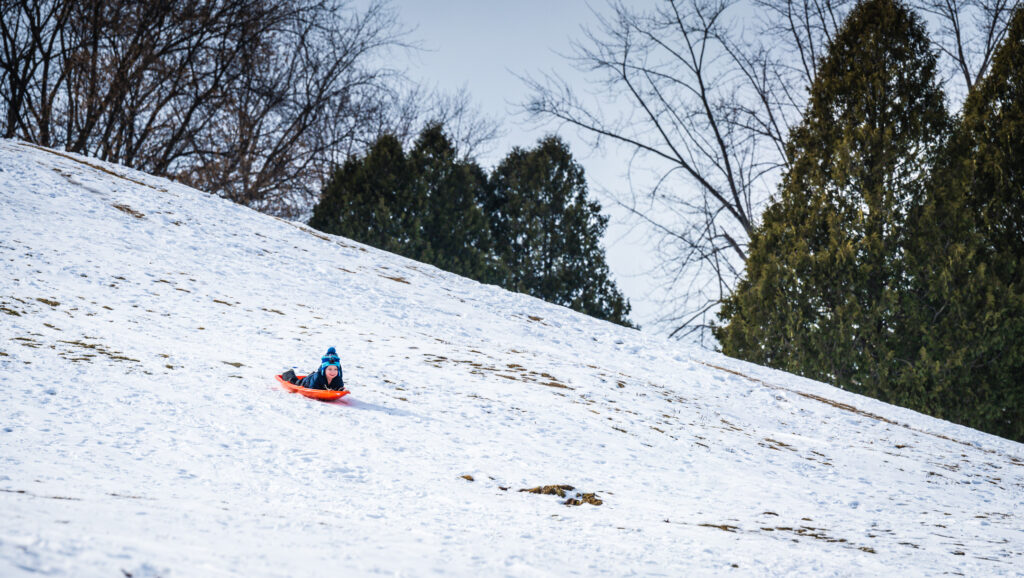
(482,45)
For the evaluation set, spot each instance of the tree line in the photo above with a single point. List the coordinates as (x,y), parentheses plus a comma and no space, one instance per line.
(528,226)
(891,262)
(254,101)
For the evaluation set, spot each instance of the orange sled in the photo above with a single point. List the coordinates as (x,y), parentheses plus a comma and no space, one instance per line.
(321,394)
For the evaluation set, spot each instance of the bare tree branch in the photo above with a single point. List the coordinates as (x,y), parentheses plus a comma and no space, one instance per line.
(708,109)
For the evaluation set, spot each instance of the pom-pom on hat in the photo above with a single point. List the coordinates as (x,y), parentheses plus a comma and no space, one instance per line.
(330,358)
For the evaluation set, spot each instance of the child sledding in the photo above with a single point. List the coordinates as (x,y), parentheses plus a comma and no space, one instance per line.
(325,383)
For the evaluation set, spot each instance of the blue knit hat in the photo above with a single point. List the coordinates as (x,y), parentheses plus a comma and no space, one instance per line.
(330,358)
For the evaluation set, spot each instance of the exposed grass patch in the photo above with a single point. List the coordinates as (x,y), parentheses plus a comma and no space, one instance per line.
(803,531)
(776,445)
(847,407)
(854,410)
(729,426)
(468,477)
(126,209)
(28,342)
(320,235)
(554,490)
(554,384)
(511,372)
(725,527)
(808,532)
(234,364)
(94,166)
(50,302)
(271,310)
(572,497)
(40,495)
(223,302)
(591,499)
(397,278)
(842,406)
(88,355)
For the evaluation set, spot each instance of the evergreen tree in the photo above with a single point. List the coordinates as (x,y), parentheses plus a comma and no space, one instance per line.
(455,232)
(548,233)
(422,205)
(825,271)
(370,200)
(967,263)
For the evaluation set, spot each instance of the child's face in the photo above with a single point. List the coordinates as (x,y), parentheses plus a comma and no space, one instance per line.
(330,372)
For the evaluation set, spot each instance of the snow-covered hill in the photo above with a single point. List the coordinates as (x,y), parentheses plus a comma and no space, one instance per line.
(142,433)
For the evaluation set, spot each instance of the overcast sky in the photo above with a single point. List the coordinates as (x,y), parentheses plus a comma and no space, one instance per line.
(483,45)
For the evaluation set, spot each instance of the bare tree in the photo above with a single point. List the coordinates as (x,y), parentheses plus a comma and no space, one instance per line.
(687,105)
(249,99)
(967,33)
(313,91)
(33,41)
(471,131)
(710,91)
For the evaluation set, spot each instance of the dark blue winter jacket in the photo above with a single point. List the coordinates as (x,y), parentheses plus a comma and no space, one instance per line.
(319,381)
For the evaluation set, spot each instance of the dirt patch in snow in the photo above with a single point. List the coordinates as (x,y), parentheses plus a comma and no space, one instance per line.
(571,495)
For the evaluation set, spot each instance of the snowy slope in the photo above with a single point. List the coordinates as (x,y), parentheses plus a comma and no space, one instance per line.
(142,433)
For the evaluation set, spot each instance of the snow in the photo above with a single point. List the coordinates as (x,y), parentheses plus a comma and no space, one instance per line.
(142,432)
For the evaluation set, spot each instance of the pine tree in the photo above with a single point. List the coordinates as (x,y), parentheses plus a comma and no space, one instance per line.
(825,271)
(529,228)
(968,261)
(421,205)
(370,200)
(456,235)
(548,232)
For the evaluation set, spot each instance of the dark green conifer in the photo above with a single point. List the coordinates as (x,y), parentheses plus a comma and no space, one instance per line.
(825,271)
(370,200)
(967,264)
(548,233)
(422,205)
(455,233)
(531,228)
